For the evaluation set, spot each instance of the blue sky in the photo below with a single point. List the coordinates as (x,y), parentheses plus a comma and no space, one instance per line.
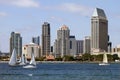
(27,16)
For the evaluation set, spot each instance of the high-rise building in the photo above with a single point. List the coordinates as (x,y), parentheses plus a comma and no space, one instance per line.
(86,45)
(72,45)
(36,40)
(109,45)
(61,45)
(55,47)
(45,39)
(16,42)
(99,31)
(79,44)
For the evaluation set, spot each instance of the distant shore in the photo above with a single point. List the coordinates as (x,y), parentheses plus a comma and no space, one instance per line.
(3,61)
(55,62)
(62,62)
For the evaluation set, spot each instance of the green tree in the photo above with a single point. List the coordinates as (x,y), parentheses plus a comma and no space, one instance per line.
(68,58)
(58,59)
(110,57)
(87,57)
(40,59)
(115,57)
(99,57)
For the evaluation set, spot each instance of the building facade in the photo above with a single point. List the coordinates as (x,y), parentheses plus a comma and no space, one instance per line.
(45,46)
(99,31)
(61,45)
(16,42)
(79,44)
(86,44)
(30,49)
(56,52)
(36,40)
(72,45)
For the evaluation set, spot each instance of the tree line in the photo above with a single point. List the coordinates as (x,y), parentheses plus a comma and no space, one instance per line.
(84,57)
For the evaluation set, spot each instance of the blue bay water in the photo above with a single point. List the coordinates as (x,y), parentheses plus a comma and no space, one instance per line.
(61,71)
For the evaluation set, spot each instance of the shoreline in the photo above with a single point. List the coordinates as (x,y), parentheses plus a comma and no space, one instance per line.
(63,62)
(56,62)
(4,61)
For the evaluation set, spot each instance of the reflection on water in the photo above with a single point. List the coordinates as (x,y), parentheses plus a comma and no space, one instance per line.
(30,74)
(55,71)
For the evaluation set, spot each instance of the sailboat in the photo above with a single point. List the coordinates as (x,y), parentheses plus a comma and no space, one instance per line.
(105,60)
(32,63)
(13,58)
(23,60)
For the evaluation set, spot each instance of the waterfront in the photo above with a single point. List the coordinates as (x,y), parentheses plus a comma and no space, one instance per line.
(61,71)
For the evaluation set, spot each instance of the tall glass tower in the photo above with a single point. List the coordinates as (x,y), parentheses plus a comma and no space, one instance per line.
(45,39)
(99,30)
(16,42)
(36,40)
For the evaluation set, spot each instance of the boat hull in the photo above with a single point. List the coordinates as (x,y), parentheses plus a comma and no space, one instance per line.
(29,66)
(103,64)
(14,65)
(22,64)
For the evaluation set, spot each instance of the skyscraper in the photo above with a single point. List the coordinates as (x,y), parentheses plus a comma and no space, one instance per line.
(16,42)
(86,45)
(99,31)
(79,44)
(72,45)
(62,41)
(45,39)
(36,40)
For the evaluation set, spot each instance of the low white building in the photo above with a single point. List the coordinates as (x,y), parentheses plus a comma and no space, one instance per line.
(116,50)
(31,48)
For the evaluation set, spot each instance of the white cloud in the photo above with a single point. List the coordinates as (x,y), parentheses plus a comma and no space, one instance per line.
(79,9)
(2,14)
(25,3)
(72,8)
(56,18)
(21,3)
(76,8)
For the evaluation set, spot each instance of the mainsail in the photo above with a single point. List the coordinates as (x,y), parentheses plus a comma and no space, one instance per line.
(105,60)
(33,62)
(22,59)
(13,58)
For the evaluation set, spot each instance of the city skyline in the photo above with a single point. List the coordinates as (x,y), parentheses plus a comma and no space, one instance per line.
(27,17)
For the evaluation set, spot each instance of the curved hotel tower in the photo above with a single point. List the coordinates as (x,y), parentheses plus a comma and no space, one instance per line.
(99,31)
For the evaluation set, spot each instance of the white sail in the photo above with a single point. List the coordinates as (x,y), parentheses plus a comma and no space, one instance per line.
(22,60)
(33,62)
(13,58)
(105,60)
